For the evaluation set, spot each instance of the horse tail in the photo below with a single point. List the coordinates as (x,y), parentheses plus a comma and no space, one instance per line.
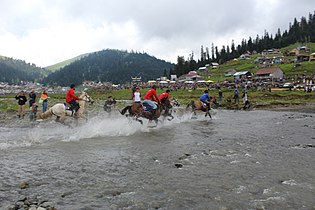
(46,114)
(192,104)
(124,110)
(188,105)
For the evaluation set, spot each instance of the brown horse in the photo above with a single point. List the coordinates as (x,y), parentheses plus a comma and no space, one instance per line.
(137,111)
(199,105)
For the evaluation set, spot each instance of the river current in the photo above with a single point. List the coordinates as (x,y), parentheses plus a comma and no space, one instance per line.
(237,160)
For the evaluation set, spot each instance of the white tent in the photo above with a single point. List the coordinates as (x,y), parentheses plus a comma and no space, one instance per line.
(163,82)
(189,82)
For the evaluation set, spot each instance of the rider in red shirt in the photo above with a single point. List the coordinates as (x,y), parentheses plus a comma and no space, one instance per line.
(165,96)
(72,99)
(150,97)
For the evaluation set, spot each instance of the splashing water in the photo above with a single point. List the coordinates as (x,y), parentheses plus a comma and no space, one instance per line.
(98,126)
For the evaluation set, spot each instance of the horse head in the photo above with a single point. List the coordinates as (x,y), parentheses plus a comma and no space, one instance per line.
(85,97)
(175,102)
(213,100)
(166,104)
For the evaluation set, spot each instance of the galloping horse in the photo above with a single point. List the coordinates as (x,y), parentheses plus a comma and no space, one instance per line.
(60,110)
(198,105)
(137,111)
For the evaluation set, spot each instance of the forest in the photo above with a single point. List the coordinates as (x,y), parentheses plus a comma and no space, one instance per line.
(110,66)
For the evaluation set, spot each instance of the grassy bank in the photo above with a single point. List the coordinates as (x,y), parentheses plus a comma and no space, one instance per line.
(259,99)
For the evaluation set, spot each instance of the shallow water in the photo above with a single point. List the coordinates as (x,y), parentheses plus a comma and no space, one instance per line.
(237,160)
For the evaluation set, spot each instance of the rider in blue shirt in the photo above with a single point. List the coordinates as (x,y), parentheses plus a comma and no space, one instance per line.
(205,98)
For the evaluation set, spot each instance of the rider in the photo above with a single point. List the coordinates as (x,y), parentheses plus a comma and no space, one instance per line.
(151,97)
(137,106)
(165,96)
(136,103)
(205,98)
(109,104)
(72,99)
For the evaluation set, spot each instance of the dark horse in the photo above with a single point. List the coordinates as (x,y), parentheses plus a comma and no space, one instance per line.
(198,105)
(137,111)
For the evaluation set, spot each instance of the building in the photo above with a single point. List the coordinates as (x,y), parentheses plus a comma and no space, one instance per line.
(230,72)
(191,76)
(135,79)
(173,77)
(214,65)
(242,75)
(269,73)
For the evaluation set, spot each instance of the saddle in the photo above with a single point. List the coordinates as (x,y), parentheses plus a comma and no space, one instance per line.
(201,105)
(147,107)
(69,108)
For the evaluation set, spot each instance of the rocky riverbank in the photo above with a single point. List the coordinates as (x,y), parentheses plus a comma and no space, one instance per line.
(30,202)
(308,108)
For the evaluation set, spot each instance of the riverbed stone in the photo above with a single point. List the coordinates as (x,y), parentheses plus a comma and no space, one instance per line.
(22,198)
(47,204)
(178,165)
(114,206)
(24,185)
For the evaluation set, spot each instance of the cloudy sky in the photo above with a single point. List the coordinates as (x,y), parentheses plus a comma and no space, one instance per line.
(45,32)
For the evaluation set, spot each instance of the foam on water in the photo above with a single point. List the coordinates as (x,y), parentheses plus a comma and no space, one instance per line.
(98,126)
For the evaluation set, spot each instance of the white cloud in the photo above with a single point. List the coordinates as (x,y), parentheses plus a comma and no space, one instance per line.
(46,32)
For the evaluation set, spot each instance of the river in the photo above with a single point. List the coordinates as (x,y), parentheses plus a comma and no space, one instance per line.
(237,160)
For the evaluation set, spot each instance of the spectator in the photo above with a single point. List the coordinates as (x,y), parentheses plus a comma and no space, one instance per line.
(44,99)
(220,96)
(32,100)
(21,102)
(236,97)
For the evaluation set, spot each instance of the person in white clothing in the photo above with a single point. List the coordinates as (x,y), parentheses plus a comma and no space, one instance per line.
(137,96)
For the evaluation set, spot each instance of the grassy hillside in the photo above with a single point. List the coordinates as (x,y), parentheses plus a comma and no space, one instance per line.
(62,64)
(290,70)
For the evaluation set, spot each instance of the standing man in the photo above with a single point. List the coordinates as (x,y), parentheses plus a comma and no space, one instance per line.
(21,102)
(32,96)
(72,99)
(220,96)
(236,97)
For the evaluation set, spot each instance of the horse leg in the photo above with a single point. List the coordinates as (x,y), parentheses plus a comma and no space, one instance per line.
(57,119)
(172,117)
(208,112)
(140,121)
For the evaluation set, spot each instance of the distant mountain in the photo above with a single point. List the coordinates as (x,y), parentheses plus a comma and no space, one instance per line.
(110,66)
(15,71)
